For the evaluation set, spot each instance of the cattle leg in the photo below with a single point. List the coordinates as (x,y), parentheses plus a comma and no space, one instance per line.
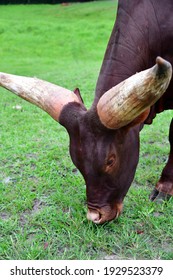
(164,187)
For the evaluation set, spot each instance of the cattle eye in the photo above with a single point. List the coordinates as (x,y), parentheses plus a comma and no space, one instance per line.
(111,164)
(111,161)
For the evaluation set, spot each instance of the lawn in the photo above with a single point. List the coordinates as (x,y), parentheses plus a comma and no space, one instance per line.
(42,195)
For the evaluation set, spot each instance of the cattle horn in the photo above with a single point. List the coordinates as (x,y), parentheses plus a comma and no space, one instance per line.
(49,97)
(121,104)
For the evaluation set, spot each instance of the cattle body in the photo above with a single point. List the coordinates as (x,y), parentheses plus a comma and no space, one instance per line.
(130,92)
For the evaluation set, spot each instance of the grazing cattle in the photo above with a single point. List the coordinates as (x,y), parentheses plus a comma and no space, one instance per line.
(104,141)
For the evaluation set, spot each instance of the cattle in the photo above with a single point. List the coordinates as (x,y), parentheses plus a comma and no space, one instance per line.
(134,85)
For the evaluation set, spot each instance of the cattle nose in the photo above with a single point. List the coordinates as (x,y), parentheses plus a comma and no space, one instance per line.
(94,216)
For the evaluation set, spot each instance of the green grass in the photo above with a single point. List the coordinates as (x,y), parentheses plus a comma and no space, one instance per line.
(42,195)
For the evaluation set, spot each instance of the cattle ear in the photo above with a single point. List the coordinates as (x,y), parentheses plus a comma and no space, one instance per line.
(140,119)
(77,92)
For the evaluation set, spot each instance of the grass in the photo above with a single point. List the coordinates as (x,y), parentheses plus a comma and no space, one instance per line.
(42,195)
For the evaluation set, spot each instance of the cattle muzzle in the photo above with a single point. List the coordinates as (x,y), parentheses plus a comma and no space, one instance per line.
(104,214)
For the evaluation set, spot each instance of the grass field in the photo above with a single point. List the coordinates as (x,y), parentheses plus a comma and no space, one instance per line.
(42,195)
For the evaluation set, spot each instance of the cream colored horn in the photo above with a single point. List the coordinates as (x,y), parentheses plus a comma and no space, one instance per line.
(49,97)
(121,104)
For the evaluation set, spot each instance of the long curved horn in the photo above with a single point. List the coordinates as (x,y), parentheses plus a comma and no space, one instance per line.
(121,104)
(49,97)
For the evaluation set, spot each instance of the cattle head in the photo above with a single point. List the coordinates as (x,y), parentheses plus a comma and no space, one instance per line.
(104,141)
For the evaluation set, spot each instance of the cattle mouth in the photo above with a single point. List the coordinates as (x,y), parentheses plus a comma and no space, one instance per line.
(104,214)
